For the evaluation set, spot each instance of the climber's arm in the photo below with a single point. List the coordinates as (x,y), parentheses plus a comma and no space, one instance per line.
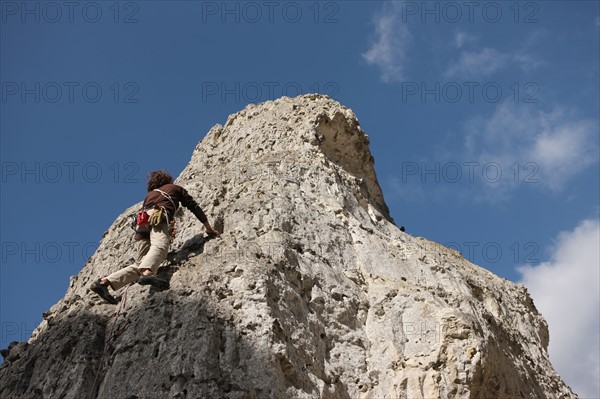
(192,205)
(210,230)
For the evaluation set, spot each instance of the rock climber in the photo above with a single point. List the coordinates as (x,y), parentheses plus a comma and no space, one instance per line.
(153,234)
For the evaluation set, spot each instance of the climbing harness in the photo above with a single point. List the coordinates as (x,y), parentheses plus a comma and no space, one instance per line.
(167,196)
(146,217)
(158,217)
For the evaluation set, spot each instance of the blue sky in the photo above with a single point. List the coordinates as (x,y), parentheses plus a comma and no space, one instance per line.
(483,119)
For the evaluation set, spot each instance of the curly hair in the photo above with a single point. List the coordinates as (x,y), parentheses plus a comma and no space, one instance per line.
(158,178)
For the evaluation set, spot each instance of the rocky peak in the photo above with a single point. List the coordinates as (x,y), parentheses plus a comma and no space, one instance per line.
(292,135)
(311,291)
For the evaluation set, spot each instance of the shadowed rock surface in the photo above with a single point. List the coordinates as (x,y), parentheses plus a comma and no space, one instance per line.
(311,292)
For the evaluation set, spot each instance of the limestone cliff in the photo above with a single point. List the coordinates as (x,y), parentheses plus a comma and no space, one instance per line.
(311,292)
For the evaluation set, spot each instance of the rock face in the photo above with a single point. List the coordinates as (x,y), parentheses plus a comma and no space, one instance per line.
(311,292)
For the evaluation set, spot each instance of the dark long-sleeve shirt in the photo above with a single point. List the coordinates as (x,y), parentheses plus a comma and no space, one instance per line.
(179,195)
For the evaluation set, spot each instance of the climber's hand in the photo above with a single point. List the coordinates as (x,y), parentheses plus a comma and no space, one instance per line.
(212,232)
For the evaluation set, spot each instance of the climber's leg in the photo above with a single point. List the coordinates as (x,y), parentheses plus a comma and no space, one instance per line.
(159,248)
(122,277)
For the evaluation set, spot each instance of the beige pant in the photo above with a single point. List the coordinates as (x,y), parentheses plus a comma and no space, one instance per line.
(150,256)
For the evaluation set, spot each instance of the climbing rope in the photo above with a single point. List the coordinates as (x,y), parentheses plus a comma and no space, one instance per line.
(111,334)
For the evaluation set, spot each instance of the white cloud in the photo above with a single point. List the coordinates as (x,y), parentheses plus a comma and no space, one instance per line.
(388,51)
(478,64)
(556,145)
(484,62)
(564,149)
(516,147)
(566,291)
(461,38)
(487,61)
(527,62)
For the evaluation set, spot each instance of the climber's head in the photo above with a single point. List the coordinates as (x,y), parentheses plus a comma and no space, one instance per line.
(158,178)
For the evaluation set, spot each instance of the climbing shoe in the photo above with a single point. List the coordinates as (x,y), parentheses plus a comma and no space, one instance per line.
(154,281)
(103,293)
